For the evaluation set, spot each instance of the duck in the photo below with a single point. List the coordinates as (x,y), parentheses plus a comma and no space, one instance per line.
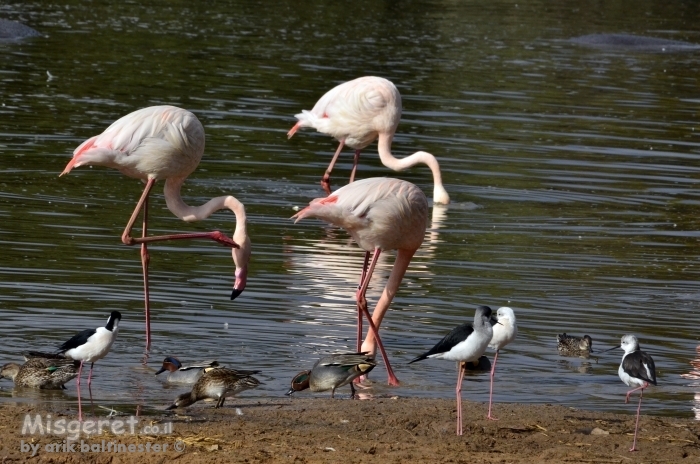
(187,373)
(569,345)
(45,373)
(217,384)
(333,371)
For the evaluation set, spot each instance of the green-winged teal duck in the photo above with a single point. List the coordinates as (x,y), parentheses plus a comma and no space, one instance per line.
(217,384)
(44,373)
(333,371)
(185,373)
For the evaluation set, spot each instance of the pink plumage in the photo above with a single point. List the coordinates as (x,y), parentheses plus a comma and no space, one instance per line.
(163,143)
(380,214)
(357,113)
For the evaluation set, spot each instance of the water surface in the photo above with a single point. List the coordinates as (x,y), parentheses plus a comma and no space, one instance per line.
(573,174)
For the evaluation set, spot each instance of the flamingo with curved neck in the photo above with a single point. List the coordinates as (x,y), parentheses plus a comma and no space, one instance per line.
(358,112)
(380,214)
(155,143)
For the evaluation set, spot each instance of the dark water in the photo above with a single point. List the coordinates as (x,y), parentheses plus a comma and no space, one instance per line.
(573,174)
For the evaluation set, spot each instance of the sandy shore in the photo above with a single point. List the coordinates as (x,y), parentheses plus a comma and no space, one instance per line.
(381,431)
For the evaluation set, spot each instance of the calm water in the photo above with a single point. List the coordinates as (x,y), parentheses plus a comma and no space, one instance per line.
(573,173)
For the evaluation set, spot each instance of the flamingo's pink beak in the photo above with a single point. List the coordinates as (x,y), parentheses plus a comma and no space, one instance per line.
(239,284)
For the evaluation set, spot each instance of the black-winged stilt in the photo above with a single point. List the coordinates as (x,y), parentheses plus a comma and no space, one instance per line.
(91,345)
(636,370)
(503,333)
(466,342)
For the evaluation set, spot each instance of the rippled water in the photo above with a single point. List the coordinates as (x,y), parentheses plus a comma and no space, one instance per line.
(573,173)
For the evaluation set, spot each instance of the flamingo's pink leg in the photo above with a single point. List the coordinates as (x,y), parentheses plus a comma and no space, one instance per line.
(359,311)
(145,260)
(326,180)
(354,166)
(215,235)
(362,305)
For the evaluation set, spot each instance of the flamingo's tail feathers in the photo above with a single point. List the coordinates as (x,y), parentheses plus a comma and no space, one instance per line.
(69,166)
(306,119)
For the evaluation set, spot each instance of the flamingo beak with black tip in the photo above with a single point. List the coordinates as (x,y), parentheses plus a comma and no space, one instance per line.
(240,282)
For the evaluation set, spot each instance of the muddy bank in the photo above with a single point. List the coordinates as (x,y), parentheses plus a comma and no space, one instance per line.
(380,430)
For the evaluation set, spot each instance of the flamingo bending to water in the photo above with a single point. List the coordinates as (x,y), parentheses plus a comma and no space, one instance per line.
(358,112)
(380,214)
(164,143)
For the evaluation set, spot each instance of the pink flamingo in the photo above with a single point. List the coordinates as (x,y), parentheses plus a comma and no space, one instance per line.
(358,112)
(380,214)
(163,142)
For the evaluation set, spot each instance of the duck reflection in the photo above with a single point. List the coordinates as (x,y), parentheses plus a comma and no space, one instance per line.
(585,367)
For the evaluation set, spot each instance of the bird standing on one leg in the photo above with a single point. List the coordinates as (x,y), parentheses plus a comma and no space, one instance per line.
(503,333)
(380,214)
(465,343)
(358,112)
(636,370)
(91,345)
(163,143)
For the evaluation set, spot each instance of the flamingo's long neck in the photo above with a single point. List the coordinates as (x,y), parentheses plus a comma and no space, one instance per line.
(187,213)
(403,259)
(384,147)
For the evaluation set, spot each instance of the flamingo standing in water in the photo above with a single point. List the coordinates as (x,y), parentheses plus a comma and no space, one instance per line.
(357,113)
(380,214)
(163,143)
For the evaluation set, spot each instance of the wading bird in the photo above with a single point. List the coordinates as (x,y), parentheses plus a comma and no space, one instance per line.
(358,112)
(465,343)
(91,345)
(163,143)
(380,214)
(636,370)
(503,333)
